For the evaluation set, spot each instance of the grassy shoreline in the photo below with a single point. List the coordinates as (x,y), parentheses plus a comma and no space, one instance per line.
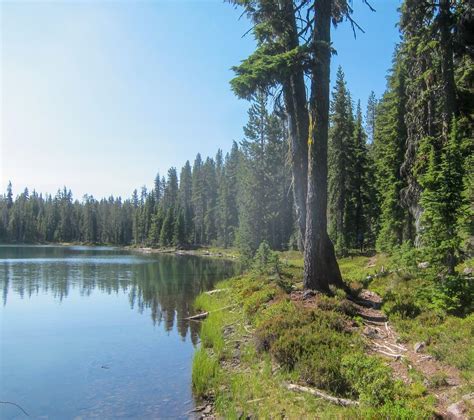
(258,338)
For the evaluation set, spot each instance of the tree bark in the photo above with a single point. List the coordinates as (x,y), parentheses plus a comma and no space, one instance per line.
(294,92)
(320,264)
(447,66)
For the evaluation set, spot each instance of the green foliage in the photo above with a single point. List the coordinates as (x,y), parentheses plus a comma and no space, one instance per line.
(370,378)
(388,155)
(340,160)
(253,303)
(265,260)
(406,257)
(166,235)
(443,203)
(211,333)
(204,372)
(265,213)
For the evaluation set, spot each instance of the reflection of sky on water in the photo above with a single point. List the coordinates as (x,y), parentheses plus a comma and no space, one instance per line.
(71,346)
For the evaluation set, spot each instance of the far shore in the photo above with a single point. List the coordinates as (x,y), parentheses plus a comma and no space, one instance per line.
(201,252)
(229,253)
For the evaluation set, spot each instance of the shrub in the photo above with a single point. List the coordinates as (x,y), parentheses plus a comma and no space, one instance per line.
(266,261)
(257,299)
(337,304)
(370,378)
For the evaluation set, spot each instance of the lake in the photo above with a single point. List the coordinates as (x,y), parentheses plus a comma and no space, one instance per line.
(99,332)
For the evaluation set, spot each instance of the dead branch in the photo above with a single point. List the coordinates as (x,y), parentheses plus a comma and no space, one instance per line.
(318,393)
(395,356)
(211,292)
(203,315)
(198,317)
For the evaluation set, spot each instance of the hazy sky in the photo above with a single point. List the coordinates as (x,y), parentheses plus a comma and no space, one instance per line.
(100,95)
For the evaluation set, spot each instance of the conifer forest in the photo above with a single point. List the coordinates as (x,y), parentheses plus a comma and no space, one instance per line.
(352,223)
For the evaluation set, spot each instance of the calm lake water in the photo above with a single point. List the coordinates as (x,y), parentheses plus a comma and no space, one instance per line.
(98,332)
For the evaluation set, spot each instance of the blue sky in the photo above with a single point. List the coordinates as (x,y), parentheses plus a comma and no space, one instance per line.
(100,95)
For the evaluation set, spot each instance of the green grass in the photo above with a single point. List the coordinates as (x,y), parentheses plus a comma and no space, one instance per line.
(264,340)
(205,372)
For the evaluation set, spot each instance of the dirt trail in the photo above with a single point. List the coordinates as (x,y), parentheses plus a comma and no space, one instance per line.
(406,360)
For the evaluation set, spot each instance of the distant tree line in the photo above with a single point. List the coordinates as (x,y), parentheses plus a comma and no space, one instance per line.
(400,175)
(238,199)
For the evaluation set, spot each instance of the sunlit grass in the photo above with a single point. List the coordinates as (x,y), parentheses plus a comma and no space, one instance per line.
(276,343)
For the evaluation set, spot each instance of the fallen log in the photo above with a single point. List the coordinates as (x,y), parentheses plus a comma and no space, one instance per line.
(211,292)
(197,317)
(317,393)
(203,315)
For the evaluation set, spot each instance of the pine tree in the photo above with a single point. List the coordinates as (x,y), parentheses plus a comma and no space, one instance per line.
(158,190)
(179,234)
(198,200)
(210,197)
(341,158)
(228,219)
(389,153)
(370,117)
(360,188)
(170,194)
(443,202)
(185,201)
(253,193)
(167,230)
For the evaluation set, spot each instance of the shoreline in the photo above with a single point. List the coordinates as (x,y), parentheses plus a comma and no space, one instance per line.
(228,254)
(213,252)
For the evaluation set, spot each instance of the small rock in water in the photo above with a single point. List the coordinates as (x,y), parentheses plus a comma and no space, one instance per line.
(419,347)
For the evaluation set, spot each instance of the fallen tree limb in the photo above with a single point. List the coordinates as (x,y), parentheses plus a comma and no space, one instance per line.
(198,317)
(387,347)
(211,292)
(203,315)
(395,356)
(16,405)
(317,393)
(397,346)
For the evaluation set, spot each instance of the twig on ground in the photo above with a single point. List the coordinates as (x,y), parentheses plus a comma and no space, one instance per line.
(395,356)
(318,393)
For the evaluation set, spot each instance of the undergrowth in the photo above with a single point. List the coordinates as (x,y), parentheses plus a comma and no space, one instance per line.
(265,339)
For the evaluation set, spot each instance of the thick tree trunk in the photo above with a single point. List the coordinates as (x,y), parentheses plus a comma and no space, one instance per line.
(294,93)
(320,264)
(447,66)
(295,104)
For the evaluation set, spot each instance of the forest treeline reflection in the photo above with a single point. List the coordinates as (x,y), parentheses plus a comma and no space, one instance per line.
(164,284)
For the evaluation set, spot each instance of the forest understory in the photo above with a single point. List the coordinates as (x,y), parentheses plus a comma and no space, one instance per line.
(271,349)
